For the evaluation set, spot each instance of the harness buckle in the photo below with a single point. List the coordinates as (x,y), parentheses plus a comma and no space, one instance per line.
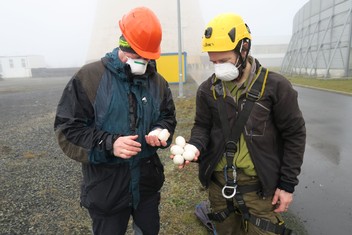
(253,95)
(230,185)
(227,188)
(231,146)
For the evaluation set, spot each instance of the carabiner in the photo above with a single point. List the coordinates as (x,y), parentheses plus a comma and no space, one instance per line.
(228,187)
(233,172)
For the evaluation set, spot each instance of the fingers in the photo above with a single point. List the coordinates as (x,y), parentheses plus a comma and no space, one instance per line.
(276,197)
(282,200)
(154,141)
(126,146)
(181,166)
(196,156)
(163,143)
(124,153)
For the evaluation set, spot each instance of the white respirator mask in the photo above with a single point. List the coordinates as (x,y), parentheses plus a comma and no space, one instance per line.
(226,71)
(138,66)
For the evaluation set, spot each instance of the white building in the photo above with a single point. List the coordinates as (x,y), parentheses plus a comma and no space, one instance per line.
(19,66)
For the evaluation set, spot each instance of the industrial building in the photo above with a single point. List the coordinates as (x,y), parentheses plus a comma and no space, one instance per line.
(20,66)
(106,31)
(321,43)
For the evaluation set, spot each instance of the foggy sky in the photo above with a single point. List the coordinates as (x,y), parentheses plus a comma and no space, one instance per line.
(61,30)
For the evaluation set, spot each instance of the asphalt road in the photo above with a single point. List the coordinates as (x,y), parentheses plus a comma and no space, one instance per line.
(323,199)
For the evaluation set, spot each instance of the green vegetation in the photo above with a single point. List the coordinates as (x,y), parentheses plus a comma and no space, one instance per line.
(341,85)
(182,190)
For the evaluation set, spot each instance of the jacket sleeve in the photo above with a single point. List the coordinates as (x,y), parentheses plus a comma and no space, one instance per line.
(291,125)
(203,123)
(167,117)
(74,123)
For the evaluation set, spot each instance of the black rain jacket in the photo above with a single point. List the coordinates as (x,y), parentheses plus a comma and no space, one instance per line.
(275,133)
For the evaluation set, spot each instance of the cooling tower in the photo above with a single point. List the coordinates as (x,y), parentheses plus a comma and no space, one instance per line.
(106,32)
(321,45)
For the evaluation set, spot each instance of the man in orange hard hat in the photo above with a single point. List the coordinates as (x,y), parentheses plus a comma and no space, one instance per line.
(108,118)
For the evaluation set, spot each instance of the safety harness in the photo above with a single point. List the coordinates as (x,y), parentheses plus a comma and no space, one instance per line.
(231,189)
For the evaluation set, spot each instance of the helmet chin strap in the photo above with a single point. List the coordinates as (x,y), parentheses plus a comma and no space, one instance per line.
(242,60)
(240,72)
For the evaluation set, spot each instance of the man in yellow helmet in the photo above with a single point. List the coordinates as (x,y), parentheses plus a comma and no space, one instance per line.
(250,170)
(105,120)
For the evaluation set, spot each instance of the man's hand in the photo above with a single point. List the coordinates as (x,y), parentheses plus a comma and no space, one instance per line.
(282,200)
(154,141)
(153,138)
(126,146)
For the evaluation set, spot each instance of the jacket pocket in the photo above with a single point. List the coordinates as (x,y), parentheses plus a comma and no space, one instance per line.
(105,189)
(152,175)
(257,120)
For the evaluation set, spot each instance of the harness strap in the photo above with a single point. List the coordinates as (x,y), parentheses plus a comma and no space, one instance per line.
(242,188)
(267,225)
(242,206)
(232,135)
(231,138)
(264,224)
(261,223)
(222,215)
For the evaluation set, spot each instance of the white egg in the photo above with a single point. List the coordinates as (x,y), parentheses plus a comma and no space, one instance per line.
(188,155)
(180,141)
(191,147)
(164,135)
(178,159)
(172,148)
(176,150)
(155,132)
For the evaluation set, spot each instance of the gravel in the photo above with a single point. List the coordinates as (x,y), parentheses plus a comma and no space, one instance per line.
(39,191)
(40,186)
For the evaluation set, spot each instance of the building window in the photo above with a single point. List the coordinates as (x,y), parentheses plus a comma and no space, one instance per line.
(23,62)
(11,63)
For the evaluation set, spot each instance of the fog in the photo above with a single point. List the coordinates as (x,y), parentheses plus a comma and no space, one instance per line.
(61,30)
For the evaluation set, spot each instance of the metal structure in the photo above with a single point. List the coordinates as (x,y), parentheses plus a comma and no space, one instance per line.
(321,43)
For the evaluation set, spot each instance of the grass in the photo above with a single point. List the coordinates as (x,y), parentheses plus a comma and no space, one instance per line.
(341,85)
(182,190)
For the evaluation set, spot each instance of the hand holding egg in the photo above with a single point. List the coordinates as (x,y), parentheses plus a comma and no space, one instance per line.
(182,151)
(158,137)
(164,135)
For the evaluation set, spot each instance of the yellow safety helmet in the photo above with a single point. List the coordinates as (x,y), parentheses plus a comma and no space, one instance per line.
(224,32)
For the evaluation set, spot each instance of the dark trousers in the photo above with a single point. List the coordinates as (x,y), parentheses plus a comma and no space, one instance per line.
(146,217)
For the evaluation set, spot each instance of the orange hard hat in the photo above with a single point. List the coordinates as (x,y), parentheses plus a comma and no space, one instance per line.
(142,30)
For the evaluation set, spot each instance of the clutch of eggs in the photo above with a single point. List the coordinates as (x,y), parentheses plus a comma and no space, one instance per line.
(182,151)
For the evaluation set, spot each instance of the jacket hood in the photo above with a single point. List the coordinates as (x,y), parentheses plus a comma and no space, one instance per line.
(113,62)
(115,65)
